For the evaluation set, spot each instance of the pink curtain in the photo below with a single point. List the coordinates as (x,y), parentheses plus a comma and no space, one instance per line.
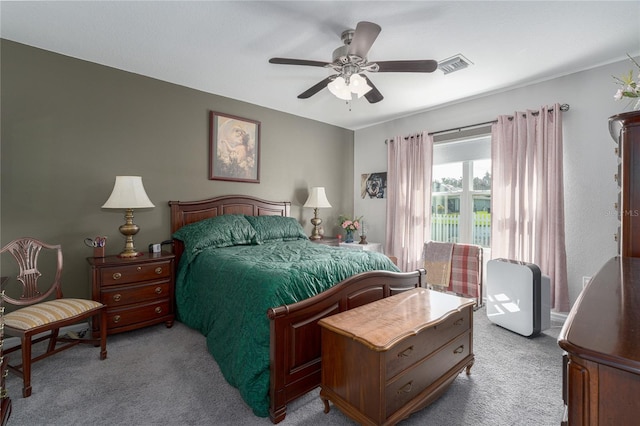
(527,211)
(408,223)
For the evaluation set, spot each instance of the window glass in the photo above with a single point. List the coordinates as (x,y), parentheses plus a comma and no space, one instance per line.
(461,193)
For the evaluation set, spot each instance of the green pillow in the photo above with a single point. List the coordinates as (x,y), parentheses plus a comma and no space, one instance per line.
(220,231)
(276,228)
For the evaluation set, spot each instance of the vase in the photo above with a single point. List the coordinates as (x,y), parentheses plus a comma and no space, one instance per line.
(349,237)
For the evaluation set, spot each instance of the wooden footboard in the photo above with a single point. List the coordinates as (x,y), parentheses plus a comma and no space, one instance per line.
(295,333)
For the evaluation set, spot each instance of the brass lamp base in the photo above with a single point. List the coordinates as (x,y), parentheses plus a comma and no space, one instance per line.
(129,229)
(316,221)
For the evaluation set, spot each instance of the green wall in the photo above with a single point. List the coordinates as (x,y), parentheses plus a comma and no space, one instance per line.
(70,126)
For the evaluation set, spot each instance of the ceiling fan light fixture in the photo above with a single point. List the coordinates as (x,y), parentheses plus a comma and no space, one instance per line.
(342,90)
(358,85)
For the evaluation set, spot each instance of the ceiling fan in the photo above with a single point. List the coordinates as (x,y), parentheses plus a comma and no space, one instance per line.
(350,63)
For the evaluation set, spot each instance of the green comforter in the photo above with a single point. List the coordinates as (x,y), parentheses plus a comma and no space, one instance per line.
(225,294)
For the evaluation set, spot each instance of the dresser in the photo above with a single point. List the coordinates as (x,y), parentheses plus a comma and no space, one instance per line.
(387,359)
(625,132)
(601,336)
(138,291)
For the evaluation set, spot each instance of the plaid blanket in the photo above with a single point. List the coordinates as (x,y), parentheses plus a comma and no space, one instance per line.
(465,270)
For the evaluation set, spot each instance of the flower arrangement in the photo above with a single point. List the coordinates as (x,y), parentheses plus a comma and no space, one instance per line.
(629,88)
(349,224)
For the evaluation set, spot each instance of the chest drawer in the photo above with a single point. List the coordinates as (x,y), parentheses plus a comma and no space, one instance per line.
(413,381)
(139,314)
(120,296)
(415,348)
(123,274)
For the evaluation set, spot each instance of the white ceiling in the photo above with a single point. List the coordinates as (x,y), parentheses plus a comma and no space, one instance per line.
(223,47)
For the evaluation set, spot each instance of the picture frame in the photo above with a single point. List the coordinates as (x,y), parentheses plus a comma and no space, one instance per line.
(234,148)
(373,185)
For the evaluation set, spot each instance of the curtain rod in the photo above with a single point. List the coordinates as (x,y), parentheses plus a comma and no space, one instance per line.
(563,107)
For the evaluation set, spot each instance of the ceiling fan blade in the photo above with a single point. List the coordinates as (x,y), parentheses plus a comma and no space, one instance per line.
(363,38)
(287,61)
(317,87)
(373,95)
(427,65)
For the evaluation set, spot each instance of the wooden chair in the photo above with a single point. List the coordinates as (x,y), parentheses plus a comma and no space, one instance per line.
(5,401)
(42,312)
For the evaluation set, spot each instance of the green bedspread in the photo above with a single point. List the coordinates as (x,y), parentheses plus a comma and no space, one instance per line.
(225,294)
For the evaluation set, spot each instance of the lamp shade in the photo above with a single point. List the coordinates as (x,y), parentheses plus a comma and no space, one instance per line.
(128,193)
(342,90)
(317,198)
(359,86)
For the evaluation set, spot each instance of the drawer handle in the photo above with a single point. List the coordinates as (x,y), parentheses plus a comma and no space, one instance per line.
(406,352)
(406,388)
(117,276)
(158,270)
(117,297)
(158,290)
(116,318)
(459,321)
(139,268)
(158,310)
(459,349)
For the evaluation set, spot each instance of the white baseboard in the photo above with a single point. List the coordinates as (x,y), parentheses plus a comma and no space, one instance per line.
(559,316)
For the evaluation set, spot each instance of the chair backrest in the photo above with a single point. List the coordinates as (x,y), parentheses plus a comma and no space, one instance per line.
(26,251)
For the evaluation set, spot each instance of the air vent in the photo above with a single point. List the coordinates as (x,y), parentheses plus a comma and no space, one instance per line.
(455,63)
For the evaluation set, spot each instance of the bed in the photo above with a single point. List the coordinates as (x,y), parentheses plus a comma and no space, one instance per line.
(264,336)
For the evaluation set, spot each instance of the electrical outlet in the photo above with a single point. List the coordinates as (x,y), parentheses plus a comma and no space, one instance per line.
(585,281)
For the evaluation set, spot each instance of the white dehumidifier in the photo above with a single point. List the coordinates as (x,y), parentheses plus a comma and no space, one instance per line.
(518,296)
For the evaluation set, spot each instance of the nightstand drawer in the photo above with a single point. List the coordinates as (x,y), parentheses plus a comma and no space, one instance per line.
(415,348)
(134,294)
(127,316)
(123,274)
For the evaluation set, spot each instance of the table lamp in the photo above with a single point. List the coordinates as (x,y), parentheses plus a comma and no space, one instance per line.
(128,194)
(317,199)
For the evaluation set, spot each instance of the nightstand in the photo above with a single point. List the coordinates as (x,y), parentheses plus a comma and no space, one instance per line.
(366,247)
(327,241)
(138,291)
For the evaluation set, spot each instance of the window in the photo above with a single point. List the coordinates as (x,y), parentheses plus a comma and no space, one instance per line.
(461,191)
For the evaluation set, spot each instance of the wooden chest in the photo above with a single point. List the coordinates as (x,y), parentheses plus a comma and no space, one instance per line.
(385,360)
(138,292)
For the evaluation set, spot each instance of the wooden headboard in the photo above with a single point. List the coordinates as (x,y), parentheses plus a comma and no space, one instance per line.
(186,212)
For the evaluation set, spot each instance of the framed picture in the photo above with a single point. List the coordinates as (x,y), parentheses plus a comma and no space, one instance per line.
(373,185)
(234,148)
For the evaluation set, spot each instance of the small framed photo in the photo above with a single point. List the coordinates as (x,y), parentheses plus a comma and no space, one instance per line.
(234,148)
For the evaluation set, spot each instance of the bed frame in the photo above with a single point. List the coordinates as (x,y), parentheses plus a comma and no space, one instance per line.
(295,335)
